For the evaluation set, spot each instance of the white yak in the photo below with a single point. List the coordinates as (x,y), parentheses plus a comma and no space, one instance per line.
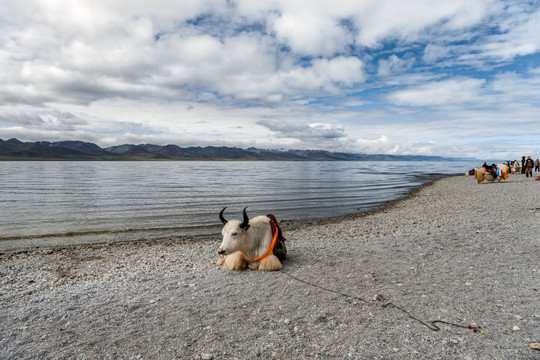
(246,241)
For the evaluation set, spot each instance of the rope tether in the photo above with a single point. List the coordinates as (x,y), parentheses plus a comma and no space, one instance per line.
(430,325)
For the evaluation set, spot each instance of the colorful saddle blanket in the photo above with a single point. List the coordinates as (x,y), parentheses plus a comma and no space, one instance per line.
(502,172)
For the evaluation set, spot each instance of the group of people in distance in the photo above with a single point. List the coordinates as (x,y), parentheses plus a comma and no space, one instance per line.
(526,167)
(528,164)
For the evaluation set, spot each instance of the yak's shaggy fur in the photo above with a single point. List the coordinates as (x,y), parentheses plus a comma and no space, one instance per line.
(480,174)
(252,241)
(235,261)
(271,263)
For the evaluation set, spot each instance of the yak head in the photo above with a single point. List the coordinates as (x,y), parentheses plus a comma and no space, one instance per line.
(235,235)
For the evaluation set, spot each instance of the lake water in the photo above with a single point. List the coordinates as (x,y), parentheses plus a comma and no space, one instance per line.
(51,203)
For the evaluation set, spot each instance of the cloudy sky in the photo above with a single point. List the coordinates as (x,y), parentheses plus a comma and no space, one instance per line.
(445,77)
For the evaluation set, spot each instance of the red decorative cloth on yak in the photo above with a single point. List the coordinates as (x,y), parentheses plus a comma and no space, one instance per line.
(280,250)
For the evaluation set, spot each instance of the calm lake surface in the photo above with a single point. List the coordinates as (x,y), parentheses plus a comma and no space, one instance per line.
(51,203)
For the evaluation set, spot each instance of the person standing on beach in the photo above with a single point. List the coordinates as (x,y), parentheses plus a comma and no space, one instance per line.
(523,164)
(529,164)
(537,165)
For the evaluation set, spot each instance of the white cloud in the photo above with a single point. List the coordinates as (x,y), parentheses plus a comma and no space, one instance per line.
(394,65)
(347,71)
(310,33)
(454,91)
(520,36)
(310,133)
(432,53)
(408,20)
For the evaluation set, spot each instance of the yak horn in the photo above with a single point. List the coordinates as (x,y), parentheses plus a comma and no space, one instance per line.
(245,224)
(221,216)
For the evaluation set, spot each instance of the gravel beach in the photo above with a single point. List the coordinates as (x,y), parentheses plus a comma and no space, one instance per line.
(363,287)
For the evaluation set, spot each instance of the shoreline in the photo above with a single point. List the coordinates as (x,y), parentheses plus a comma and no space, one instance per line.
(28,243)
(359,287)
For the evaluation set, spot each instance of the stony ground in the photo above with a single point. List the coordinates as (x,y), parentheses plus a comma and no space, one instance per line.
(360,288)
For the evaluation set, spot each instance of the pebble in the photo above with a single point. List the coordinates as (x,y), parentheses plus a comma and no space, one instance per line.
(516,328)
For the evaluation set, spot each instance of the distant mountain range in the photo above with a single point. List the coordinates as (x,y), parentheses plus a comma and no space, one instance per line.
(14,149)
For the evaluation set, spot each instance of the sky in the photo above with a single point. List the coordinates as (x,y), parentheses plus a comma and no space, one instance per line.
(458,78)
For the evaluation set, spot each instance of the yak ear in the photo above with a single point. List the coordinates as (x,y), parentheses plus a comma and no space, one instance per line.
(245,224)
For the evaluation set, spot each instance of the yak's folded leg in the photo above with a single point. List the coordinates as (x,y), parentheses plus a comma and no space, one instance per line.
(220,260)
(234,261)
(271,263)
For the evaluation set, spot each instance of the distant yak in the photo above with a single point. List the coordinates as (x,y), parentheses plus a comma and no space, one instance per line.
(481,173)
